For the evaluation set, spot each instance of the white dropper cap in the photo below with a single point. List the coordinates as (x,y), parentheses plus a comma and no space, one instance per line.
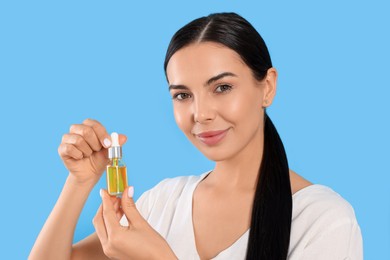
(115,151)
(114,139)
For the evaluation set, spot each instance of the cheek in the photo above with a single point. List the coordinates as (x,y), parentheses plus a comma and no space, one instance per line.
(182,117)
(242,107)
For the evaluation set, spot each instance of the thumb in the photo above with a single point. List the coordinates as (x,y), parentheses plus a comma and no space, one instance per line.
(129,207)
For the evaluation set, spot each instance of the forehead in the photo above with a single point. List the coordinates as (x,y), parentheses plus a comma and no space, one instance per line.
(202,61)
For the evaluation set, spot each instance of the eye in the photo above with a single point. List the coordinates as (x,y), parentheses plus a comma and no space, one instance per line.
(223,88)
(181,96)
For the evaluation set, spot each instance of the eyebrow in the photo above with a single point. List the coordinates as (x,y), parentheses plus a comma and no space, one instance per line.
(220,76)
(208,82)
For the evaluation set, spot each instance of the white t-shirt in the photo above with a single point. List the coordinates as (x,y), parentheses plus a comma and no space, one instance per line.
(323,227)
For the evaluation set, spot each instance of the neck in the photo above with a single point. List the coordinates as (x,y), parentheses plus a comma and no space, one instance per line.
(240,172)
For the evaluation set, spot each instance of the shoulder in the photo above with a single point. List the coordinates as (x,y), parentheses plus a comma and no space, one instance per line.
(320,201)
(322,218)
(319,212)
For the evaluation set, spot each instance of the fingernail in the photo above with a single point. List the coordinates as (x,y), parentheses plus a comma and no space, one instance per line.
(130,192)
(101,193)
(107,142)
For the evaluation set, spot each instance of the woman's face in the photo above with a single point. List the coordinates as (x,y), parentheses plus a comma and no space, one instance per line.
(217,102)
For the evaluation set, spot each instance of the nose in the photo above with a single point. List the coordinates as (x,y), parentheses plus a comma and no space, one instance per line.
(203,111)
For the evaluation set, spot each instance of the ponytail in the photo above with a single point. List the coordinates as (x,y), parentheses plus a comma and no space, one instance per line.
(269,236)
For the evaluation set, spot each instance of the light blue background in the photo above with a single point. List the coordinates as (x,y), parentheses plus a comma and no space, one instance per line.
(64,61)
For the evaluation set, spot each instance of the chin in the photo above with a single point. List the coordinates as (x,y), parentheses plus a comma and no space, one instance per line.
(215,153)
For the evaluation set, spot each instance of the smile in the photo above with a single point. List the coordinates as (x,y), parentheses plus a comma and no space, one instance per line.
(212,137)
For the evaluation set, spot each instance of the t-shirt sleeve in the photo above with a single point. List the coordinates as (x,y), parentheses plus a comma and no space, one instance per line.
(144,203)
(341,241)
(325,227)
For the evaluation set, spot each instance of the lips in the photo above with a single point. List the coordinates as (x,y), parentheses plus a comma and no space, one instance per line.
(212,137)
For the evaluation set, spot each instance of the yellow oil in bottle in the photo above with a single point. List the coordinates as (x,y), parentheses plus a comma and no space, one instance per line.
(116,169)
(116,177)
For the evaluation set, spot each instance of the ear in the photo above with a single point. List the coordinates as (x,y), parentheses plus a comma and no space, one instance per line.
(270,87)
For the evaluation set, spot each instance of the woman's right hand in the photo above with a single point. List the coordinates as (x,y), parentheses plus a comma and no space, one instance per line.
(84,150)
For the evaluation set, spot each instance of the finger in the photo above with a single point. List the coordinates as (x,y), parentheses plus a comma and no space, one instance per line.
(115,200)
(98,223)
(88,134)
(130,209)
(122,139)
(102,134)
(100,131)
(69,151)
(109,215)
(79,142)
(117,205)
(119,214)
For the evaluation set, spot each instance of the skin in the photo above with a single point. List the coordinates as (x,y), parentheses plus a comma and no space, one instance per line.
(204,100)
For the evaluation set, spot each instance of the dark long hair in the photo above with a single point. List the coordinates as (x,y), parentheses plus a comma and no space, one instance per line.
(269,236)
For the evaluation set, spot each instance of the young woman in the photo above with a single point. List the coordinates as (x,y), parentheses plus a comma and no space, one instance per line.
(250,206)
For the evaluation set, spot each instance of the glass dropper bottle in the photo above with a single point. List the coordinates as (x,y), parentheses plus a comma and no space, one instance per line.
(116,169)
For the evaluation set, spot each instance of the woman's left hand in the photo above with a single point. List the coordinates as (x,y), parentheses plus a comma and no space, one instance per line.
(136,241)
